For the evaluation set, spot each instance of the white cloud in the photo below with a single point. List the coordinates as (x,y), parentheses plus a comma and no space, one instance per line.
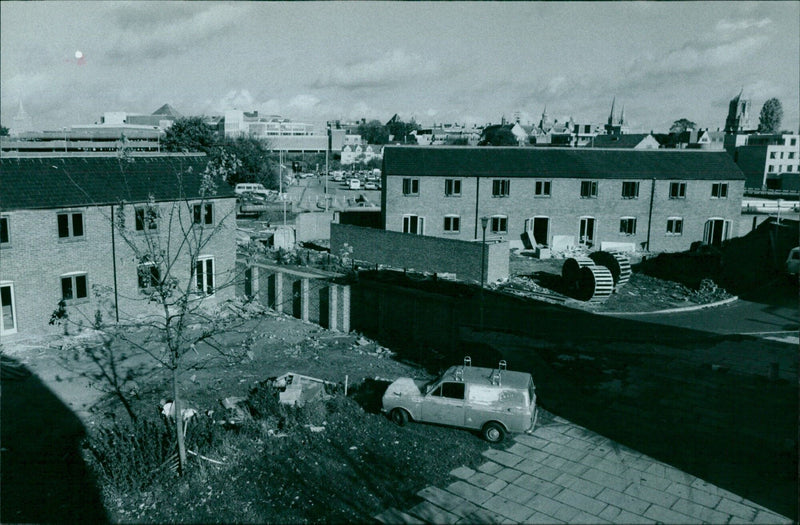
(393,67)
(726,26)
(304,103)
(237,99)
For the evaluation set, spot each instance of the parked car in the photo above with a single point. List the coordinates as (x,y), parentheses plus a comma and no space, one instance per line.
(493,401)
(793,262)
(354,184)
(370,185)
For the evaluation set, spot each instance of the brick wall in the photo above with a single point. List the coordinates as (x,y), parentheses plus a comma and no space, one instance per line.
(422,252)
(36,259)
(564,208)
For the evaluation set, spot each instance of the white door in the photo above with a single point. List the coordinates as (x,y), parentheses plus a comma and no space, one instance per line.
(587,231)
(8,315)
(413,224)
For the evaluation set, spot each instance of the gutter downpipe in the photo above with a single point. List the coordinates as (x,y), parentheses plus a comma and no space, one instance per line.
(114,264)
(477,199)
(650,213)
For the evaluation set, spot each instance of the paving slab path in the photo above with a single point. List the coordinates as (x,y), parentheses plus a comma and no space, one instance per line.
(564,473)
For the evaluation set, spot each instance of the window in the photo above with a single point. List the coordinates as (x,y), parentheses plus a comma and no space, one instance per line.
(789,168)
(146,219)
(771,168)
(410,186)
(719,190)
(8,314)
(149,276)
(499,224)
(501,187)
(413,224)
(677,190)
(627,226)
(452,223)
(674,226)
(70,225)
(793,141)
(450,390)
(4,236)
(791,155)
(203,213)
(588,189)
(452,187)
(204,272)
(73,287)
(772,154)
(630,190)
(542,188)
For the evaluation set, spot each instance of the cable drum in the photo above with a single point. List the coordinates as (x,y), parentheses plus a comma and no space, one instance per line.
(618,264)
(595,284)
(571,271)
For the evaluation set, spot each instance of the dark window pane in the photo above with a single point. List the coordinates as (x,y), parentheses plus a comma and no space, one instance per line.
(196,209)
(209,214)
(453,390)
(66,288)
(63,225)
(77,224)
(4,229)
(80,286)
(199,274)
(139,219)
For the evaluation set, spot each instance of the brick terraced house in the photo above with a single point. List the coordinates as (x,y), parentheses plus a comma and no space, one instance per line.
(57,240)
(656,200)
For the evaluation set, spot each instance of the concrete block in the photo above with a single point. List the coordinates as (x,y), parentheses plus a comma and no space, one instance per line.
(605,479)
(737,509)
(430,513)
(663,515)
(699,512)
(305,299)
(480,517)
(538,486)
(393,517)
(462,472)
(665,499)
(345,308)
(469,492)
(531,441)
(490,467)
(694,495)
(502,457)
(508,474)
(333,307)
(516,493)
(442,498)
(479,479)
(496,485)
(623,501)
(513,511)
(579,501)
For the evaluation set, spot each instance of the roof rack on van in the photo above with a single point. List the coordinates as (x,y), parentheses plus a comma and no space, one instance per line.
(459,372)
(496,377)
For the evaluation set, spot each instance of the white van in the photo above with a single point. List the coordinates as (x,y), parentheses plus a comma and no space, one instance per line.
(354,184)
(251,187)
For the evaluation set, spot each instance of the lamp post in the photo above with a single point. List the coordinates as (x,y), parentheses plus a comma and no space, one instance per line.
(484,222)
(327,152)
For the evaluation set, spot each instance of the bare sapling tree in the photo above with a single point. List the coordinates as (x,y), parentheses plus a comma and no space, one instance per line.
(178,308)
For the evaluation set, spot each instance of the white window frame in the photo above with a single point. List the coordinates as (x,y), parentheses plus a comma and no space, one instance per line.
(413,186)
(672,221)
(74,283)
(495,221)
(151,223)
(592,193)
(7,230)
(407,224)
(628,221)
(680,186)
(200,216)
(202,276)
(71,236)
(635,184)
(451,218)
(542,188)
(719,190)
(501,188)
(4,330)
(451,191)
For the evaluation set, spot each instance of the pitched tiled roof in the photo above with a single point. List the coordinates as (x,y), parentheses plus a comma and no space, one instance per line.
(167,110)
(57,182)
(439,161)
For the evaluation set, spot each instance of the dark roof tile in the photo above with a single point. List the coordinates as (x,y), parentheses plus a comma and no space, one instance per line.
(57,182)
(559,163)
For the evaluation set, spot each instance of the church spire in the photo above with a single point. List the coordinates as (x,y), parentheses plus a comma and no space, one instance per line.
(622,116)
(611,115)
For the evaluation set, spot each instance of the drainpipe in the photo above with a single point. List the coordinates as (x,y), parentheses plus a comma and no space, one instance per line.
(114,264)
(650,214)
(477,199)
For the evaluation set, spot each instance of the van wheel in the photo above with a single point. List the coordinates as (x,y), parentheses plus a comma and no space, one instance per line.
(399,416)
(493,432)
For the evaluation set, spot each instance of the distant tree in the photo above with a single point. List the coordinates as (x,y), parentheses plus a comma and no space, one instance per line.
(3,131)
(456,141)
(497,135)
(681,125)
(255,161)
(190,134)
(771,115)
(373,132)
(400,131)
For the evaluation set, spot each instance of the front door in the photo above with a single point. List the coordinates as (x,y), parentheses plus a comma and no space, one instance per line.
(445,404)
(8,318)
(541,230)
(716,231)
(587,231)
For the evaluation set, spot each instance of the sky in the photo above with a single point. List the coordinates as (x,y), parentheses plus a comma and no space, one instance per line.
(456,62)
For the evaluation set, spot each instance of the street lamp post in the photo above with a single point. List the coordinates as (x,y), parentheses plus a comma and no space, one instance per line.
(327,152)
(484,222)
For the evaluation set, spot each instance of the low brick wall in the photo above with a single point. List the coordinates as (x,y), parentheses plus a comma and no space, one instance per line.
(422,253)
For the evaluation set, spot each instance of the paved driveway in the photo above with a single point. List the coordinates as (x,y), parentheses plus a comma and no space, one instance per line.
(564,473)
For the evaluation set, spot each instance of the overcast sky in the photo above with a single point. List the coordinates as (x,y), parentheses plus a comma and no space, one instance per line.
(436,62)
